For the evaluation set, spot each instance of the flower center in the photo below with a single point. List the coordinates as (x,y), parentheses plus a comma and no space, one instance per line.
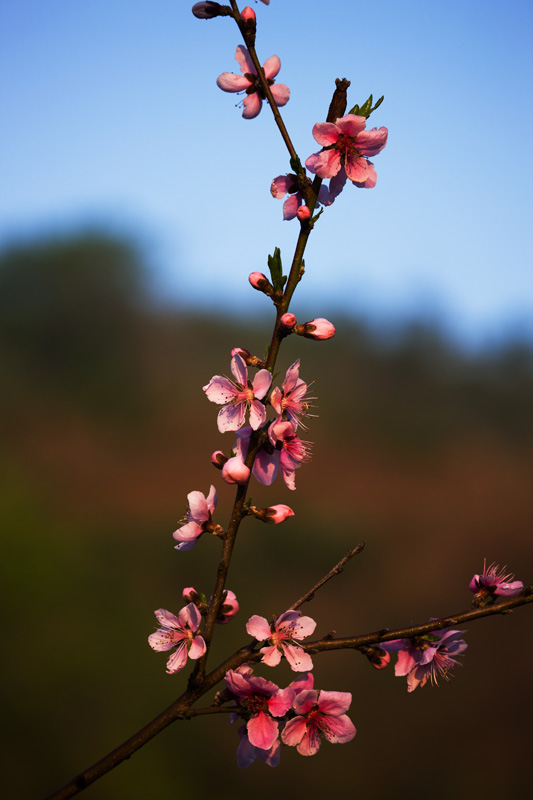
(345,145)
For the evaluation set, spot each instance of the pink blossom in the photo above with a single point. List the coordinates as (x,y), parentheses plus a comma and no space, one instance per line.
(288,184)
(282,635)
(319,713)
(197,519)
(260,701)
(266,462)
(179,632)
(426,657)
(238,396)
(318,329)
(292,450)
(235,471)
(250,83)
(247,752)
(495,582)
(290,401)
(346,147)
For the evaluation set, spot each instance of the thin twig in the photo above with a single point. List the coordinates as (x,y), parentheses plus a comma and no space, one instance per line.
(337,569)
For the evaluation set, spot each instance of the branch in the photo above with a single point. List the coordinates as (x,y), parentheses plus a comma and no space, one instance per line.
(337,569)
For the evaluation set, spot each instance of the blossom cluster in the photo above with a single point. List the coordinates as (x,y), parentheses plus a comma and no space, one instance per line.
(307,715)
(280,449)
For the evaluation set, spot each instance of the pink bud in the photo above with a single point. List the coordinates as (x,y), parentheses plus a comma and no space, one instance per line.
(261,283)
(303,213)
(228,609)
(206,10)
(288,320)
(235,471)
(218,459)
(247,14)
(318,329)
(378,658)
(190,594)
(277,514)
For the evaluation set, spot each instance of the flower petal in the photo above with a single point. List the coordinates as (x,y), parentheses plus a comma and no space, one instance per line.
(258,627)
(229,82)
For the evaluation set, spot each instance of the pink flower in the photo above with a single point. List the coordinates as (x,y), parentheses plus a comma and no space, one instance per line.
(319,713)
(282,635)
(495,582)
(247,752)
(198,519)
(250,83)
(318,329)
(240,395)
(290,401)
(426,657)
(288,184)
(292,450)
(179,632)
(347,145)
(260,701)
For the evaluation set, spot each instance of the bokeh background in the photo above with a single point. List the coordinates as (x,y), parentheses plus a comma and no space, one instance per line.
(128,226)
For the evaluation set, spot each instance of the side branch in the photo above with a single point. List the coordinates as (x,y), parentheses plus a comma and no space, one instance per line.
(337,569)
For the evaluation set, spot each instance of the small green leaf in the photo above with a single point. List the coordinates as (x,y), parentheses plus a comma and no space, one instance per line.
(276,272)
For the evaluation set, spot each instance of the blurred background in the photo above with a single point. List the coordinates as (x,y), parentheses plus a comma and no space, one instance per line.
(128,227)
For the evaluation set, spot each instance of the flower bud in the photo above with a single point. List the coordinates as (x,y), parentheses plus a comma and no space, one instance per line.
(251,361)
(274,514)
(218,459)
(235,471)
(206,10)
(261,283)
(317,329)
(378,658)
(303,213)
(288,320)
(247,14)
(190,594)
(228,609)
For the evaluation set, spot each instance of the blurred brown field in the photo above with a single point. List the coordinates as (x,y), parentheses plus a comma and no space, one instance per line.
(422,451)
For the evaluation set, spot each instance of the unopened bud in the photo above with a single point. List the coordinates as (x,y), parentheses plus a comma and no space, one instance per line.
(206,10)
(218,459)
(303,213)
(247,14)
(288,320)
(274,514)
(190,594)
(378,658)
(251,361)
(235,471)
(261,283)
(317,329)
(228,609)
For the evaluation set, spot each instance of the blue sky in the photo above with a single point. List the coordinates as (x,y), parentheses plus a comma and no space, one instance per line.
(111,115)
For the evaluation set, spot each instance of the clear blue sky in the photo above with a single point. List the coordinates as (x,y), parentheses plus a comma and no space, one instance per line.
(110,113)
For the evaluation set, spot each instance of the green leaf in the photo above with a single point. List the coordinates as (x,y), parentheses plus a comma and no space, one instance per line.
(276,272)
(367,108)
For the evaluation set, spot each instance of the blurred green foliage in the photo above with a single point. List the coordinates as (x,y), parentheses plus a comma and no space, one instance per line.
(423,451)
